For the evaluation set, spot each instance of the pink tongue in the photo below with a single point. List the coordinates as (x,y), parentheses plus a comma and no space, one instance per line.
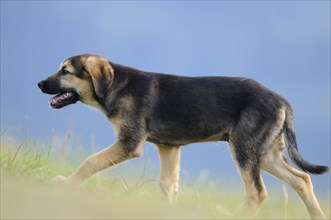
(60,97)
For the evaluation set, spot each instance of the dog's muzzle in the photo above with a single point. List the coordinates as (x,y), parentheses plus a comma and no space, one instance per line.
(63,97)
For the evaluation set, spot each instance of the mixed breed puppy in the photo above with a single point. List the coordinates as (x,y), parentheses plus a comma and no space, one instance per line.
(171,111)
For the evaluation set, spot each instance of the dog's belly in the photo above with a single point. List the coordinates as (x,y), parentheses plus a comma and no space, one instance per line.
(180,141)
(184,130)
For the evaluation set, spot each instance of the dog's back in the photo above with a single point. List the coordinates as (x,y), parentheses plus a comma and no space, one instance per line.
(181,110)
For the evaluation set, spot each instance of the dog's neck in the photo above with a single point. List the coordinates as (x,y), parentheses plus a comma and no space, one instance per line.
(95,105)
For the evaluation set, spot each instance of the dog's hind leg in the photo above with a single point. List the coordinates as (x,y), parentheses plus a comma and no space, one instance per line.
(256,192)
(246,143)
(275,163)
(169,170)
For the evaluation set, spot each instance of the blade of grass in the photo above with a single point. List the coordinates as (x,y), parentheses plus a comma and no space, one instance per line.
(18,149)
(3,132)
(50,146)
(119,172)
(26,131)
(285,201)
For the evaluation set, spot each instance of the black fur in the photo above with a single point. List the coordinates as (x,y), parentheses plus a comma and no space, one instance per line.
(296,157)
(176,110)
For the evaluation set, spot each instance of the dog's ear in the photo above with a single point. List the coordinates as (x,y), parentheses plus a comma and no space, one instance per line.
(101,72)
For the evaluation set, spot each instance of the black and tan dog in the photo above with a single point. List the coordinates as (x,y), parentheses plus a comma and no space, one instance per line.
(171,111)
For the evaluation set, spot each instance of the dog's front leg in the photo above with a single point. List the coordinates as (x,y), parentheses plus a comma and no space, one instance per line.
(108,157)
(169,170)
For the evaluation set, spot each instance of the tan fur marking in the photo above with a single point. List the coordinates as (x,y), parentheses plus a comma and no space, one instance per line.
(275,164)
(99,161)
(169,170)
(102,73)
(83,87)
(254,199)
(116,123)
(68,66)
(126,102)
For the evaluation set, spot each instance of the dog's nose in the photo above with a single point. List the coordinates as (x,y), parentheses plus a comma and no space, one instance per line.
(41,84)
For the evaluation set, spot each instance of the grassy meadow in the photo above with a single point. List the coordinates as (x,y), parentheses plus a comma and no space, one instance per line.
(27,193)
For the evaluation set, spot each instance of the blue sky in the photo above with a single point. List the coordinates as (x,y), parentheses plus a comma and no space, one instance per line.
(284,45)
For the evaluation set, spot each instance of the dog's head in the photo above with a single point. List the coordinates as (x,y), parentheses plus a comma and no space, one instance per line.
(82,78)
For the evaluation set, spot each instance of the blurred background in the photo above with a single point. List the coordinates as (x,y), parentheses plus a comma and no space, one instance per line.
(284,45)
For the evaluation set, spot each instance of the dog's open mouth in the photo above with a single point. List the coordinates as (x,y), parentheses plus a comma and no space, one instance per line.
(63,99)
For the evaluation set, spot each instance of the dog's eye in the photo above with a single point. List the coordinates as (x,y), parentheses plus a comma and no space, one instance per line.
(64,72)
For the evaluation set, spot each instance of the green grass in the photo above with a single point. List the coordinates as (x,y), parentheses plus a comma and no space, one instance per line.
(26,192)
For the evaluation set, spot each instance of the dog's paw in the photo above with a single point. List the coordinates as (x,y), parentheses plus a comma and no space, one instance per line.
(60,180)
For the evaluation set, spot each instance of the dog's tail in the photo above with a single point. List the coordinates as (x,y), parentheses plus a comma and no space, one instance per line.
(292,147)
